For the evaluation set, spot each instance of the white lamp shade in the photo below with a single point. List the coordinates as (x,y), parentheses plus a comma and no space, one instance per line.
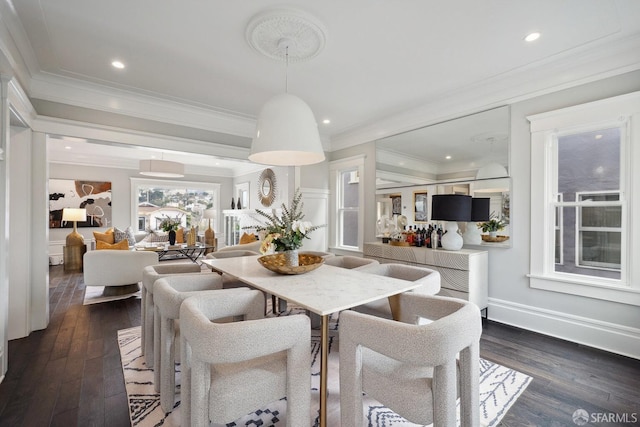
(209,214)
(492,170)
(286,134)
(161,168)
(71,214)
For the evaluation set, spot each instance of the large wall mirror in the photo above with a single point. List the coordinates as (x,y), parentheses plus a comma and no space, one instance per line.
(468,155)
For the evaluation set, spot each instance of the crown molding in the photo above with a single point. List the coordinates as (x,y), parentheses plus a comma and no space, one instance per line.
(98,97)
(552,74)
(136,138)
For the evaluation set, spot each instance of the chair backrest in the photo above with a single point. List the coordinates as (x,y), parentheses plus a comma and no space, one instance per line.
(253,246)
(350,262)
(273,352)
(428,278)
(230,254)
(154,272)
(374,350)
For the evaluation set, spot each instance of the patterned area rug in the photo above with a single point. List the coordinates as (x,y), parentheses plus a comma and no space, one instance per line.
(499,389)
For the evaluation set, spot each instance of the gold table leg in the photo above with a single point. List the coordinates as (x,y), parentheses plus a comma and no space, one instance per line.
(324,355)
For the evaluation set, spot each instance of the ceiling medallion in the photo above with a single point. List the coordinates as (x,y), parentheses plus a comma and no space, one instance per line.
(305,35)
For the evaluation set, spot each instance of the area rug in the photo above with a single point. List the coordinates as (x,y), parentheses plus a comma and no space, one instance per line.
(94,295)
(499,389)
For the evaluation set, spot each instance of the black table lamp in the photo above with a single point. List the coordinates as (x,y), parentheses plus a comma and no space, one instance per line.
(451,208)
(479,213)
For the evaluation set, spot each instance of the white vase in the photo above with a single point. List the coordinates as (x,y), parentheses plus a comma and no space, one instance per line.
(493,234)
(291,258)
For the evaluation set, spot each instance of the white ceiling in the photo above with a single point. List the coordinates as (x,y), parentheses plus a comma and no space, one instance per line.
(382,59)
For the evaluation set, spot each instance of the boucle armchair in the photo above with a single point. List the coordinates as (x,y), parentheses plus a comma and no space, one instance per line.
(410,367)
(169,293)
(149,276)
(388,307)
(231,369)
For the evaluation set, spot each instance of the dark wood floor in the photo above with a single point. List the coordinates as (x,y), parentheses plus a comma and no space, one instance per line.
(70,373)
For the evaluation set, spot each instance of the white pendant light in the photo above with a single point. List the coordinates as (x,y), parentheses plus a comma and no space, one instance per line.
(161,168)
(286,134)
(286,130)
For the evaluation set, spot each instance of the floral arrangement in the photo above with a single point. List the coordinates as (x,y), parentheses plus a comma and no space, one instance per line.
(285,233)
(493,224)
(169,223)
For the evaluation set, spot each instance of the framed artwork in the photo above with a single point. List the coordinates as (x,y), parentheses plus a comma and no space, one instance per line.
(396,204)
(94,196)
(420,213)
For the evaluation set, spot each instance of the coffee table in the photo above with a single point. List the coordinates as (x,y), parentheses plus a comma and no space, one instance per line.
(178,251)
(323,291)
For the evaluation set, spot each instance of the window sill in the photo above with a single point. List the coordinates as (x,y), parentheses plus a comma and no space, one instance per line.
(624,295)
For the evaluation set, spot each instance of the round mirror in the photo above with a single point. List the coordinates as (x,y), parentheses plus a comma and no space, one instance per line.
(267,187)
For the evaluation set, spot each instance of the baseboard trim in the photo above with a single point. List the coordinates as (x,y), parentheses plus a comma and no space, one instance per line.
(606,336)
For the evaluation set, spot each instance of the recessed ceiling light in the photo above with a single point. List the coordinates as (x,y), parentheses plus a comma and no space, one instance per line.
(67,147)
(326,121)
(447,157)
(598,136)
(118,64)
(532,37)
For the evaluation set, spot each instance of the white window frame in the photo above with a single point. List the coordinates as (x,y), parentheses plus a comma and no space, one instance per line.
(621,111)
(137,182)
(335,170)
(559,229)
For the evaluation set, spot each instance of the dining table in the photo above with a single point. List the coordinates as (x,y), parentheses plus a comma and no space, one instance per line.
(324,291)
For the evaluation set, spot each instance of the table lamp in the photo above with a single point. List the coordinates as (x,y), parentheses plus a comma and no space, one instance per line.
(479,213)
(451,208)
(75,215)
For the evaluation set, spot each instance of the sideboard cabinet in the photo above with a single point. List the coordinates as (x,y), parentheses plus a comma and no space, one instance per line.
(464,273)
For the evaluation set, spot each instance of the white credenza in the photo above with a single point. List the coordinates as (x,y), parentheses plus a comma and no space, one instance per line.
(464,273)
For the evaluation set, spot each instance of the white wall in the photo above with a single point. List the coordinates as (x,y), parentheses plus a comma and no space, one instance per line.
(607,325)
(20,213)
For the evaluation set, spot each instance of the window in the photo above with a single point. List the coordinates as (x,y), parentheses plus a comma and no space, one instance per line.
(587,171)
(346,186)
(154,200)
(581,169)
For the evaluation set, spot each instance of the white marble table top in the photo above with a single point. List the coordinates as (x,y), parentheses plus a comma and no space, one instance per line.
(323,291)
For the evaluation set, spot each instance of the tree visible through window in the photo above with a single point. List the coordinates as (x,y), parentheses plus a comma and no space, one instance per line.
(157,200)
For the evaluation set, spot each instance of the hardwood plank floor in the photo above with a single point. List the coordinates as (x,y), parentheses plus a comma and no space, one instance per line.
(70,373)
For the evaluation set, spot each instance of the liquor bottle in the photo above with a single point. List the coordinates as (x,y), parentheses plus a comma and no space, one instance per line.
(440,233)
(427,241)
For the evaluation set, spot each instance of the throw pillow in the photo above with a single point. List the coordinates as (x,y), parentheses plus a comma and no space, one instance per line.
(104,237)
(247,238)
(121,245)
(156,237)
(120,235)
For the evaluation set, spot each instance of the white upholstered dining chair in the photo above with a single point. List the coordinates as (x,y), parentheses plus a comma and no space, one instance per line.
(231,369)
(169,293)
(150,274)
(416,366)
(428,279)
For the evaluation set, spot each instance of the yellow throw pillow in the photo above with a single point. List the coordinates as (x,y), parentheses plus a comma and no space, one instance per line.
(247,238)
(180,235)
(106,237)
(121,245)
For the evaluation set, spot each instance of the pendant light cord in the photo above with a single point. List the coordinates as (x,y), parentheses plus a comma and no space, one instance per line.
(286,70)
